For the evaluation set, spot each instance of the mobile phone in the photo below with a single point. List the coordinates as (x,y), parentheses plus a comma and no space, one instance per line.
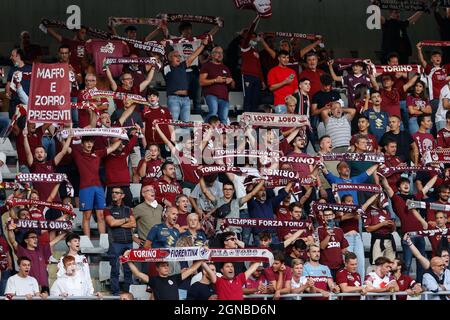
(330,224)
(291,76)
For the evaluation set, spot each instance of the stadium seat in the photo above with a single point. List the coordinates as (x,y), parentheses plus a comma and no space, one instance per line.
(139,291)
(87,247)
(196,118)
(7,147)
(104,271)
(366,237)
(135,189)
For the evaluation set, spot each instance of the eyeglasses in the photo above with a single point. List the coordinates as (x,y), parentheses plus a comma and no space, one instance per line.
(234,239)
(117,192)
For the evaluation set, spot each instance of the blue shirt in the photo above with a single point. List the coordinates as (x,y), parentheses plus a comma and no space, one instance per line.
(199,240)
(358,179)
(266,209)
(162,236)
(378,122)
(176,78)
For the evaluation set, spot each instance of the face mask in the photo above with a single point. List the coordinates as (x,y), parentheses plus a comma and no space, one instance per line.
(134,67)
(253,43)
(154,104)
(16,64)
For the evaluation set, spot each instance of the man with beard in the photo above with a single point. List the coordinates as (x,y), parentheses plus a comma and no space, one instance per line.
(167,188)
(121,223)
(164,235)
(230,285)
(92,195)
(392,161)
(424,141)
(409,219)
(279,276)
(306,235)
(39,164)
(405,282)
(345,177)
(381,280)
(443,196)
(22,284)
(320,274)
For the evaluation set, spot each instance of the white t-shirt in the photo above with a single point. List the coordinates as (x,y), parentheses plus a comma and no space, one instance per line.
(21,286)
(74,286)
(377,282)
(187,48)
(302,281)
(440,113)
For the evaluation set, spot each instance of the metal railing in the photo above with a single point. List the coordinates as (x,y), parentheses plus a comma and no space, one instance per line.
(335,296)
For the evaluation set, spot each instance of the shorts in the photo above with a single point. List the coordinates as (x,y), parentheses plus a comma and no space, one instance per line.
(92,198)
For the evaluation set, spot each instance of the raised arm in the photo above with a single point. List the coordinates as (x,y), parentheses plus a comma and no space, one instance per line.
(266,47)
(128,111)
(166,141)
(251,269)
(410,83)
(252,194)
(415,17)
(422,60)
(310,47)
(113,147)
(138,274)
(421,220)
(186,273)
(369,201)
(333,74)
(27,148)
(54,34)
(211,274)
(64,150)
(206,191)
(144,84)
(196,53)
(386,187)
(111,80)
(423,260)
(429,185)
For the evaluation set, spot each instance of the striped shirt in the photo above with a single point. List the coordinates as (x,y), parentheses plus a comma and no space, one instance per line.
(339,130)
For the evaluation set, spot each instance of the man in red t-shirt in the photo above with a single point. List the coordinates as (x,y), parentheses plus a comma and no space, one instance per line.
(279,276)
(88,117)
(332,243)
(167,188)
(391,160)
(92,194)
(363,129)
(443,135)
(215,79)
(38,164)
(312,73)
(251,70)
(349,279)
(282,81)
(424,141)
(229,286)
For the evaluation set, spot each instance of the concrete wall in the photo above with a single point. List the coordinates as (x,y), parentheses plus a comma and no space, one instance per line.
(341,22)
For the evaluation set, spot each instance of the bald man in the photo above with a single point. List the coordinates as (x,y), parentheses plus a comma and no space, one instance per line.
(437,278)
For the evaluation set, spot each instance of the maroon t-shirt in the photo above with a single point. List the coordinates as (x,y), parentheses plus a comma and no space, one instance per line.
(220,90)
(436,240)
(250,63)
(314,78)
(166,190)
(424,141)
(116,166)
(39,260)
(390,102)
(349,225)
(152,171)
(230,289)
(83,115)
(301,168)
(88,166)
(443,138)
(77,52)
(352,279)
(405,282)
(182,219)
(102,49)
(375,216)
(408,221)
(44,188)
(34,139)
(4,249)
(149,116)
(273,276)
(393,161)
(416,102)
(331,256)
(438,78)
(188,167)
(134,90)
(352,81)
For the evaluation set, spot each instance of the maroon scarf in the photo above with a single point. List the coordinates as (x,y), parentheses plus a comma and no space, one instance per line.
(274,120)
(173,17)
(403,5)
(14,202)
(436,156)
(265,223)
(293,35)
(435,43)
(46,177)
(338,207)
(135,98)
(363,156)
(345,63)
(388,171)
(427,205)
(380,69)
(117,21)
(360,187)
(429,233)
(126,60)
(42,224)
(204,171)
(262,7)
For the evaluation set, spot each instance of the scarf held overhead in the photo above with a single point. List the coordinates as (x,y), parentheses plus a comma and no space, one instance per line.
(96,132)
(46,177)
(42,224)
(275,120)
(15,202)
